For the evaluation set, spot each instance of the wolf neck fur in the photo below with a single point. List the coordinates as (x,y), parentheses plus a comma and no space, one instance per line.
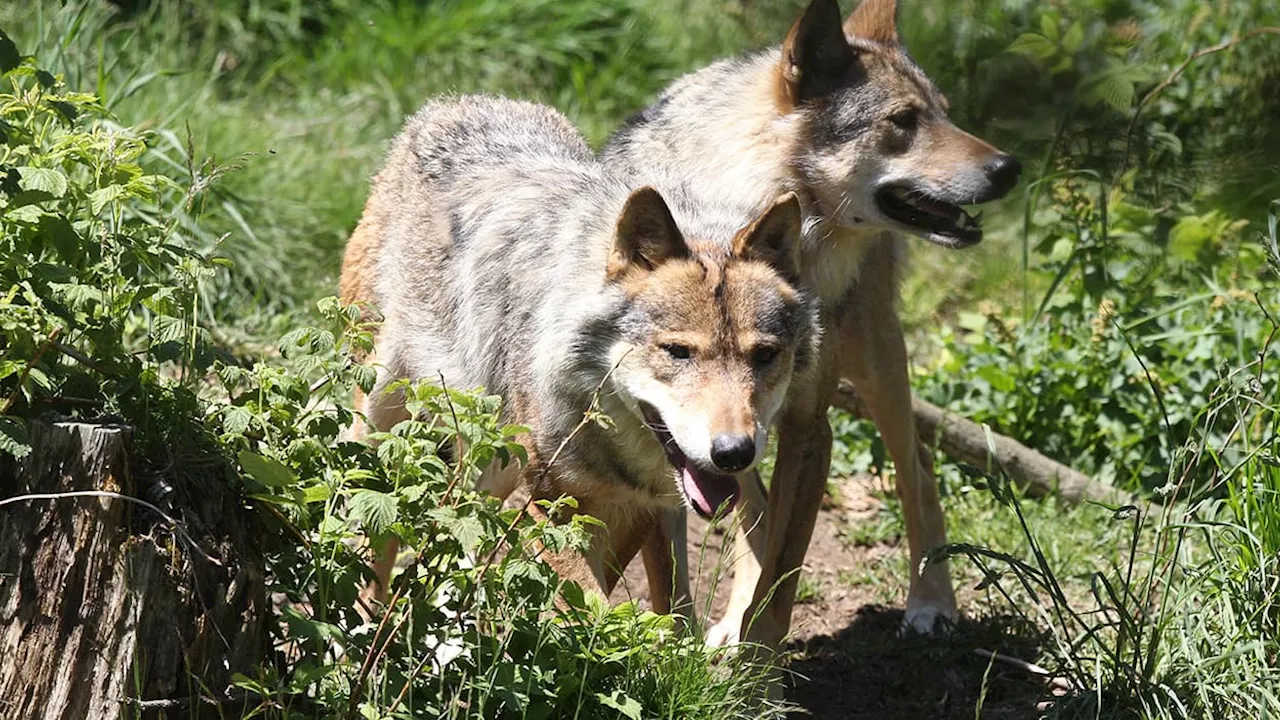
(749,146)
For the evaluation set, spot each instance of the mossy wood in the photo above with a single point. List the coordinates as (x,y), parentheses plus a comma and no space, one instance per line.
(106,610)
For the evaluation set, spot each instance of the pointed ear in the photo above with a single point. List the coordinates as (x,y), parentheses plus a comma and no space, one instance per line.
(774,238)
(646,236)
(815,54)
(875,20)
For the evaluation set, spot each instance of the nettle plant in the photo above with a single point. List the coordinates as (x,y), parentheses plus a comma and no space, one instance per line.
(474,587)
(1145,313)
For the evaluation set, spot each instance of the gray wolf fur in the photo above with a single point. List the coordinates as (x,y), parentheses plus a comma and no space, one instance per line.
(841,116)
(502,255)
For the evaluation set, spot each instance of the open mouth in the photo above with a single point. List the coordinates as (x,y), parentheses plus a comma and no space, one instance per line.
(706,492)
(939,221)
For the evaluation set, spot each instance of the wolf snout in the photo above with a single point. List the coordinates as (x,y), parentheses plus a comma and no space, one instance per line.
(732,453)
(1002,174)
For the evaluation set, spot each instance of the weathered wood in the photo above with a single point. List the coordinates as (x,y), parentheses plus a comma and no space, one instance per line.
(101,603)
(965,441)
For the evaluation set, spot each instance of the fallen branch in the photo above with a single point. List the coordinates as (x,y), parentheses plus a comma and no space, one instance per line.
(966,441)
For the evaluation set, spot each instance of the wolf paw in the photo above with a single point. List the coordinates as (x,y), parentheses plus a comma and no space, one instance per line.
(724,633)
(928,619)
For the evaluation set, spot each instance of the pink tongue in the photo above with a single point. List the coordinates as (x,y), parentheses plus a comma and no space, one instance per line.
(708,491)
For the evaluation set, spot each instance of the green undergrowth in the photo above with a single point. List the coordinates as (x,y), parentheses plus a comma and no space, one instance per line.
(1174,614)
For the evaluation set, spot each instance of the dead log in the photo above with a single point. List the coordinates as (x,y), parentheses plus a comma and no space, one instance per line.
(104,605)
(965,441)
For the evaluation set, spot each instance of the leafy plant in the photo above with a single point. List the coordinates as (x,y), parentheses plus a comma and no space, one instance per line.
(98,279)
(1137,651)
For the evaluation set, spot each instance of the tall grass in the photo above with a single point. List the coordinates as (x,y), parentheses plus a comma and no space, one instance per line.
(1189,626)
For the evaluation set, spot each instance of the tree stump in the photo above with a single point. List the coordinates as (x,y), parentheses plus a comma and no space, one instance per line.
(107,611)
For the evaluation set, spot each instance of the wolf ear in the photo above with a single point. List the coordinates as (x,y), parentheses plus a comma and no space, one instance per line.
(646,236)
(815,54)
(875,20)
(774,238)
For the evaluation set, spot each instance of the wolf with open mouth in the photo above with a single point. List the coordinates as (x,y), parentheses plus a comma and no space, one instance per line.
(839,114)
(501,255)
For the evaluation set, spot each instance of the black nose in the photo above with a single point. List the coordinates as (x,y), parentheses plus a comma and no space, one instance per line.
(731,453)
(1002,172)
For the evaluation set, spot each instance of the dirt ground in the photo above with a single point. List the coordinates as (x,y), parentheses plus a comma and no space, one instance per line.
(846,656)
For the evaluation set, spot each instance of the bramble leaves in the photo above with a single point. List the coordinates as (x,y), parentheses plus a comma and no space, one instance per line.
(265,470)
(46,180)
(373,510)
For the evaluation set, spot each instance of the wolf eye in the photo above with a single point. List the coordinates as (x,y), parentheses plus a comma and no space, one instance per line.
(906,119)
(764,355)
(677,351)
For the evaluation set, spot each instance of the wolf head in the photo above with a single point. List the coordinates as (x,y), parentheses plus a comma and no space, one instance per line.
(877,148)
(710,339)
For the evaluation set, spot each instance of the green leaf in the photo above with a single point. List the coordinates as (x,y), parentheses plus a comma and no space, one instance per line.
(77,296)
(302,626)
(272,499)
(43,179)
(374,510)
(316,493)
(1073,39)
(1107,90)
(1049,27)
(466,528)
(306,674)
(13,437)
(168,328)
(1034,45)
(622,702)
(1113,86)
(265,470)
(236,419)
(99,198)
(999,379)
(364,376)
(67,110)
(1192,234)
(244,682)
(331,526)
(64,238)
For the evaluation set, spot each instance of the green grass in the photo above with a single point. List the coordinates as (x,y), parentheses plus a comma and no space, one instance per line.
(1077,541)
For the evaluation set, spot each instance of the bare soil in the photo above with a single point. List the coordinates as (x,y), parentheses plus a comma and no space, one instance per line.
(847,657)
